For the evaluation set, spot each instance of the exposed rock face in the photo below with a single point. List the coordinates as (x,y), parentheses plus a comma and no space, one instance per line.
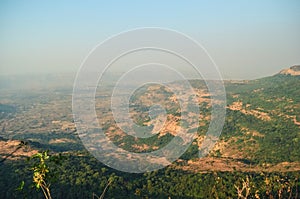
(14,150)
(293,70)
(296,68)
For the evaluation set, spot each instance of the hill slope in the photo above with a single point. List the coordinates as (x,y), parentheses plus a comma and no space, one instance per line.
(260,143)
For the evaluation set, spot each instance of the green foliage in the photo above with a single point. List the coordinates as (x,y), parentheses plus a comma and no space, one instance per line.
(279,97)
(41,173)
(82,175)
(42,166)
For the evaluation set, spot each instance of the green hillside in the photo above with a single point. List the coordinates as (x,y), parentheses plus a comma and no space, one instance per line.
(258,153)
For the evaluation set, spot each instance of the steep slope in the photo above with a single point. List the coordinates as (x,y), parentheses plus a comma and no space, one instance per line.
(262,129)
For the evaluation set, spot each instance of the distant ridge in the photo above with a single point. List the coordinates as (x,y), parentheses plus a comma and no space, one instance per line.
(293,70)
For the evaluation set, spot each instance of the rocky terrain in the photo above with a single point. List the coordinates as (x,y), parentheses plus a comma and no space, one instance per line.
(293,70)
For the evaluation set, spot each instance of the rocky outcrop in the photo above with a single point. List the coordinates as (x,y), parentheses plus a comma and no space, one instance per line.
(293,70)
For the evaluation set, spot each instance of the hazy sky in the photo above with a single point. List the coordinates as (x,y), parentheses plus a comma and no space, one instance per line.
(247,39)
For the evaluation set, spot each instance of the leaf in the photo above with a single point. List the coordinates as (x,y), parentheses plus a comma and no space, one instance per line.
(21,186)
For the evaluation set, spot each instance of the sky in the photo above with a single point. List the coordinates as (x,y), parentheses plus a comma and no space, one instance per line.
(246,39)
